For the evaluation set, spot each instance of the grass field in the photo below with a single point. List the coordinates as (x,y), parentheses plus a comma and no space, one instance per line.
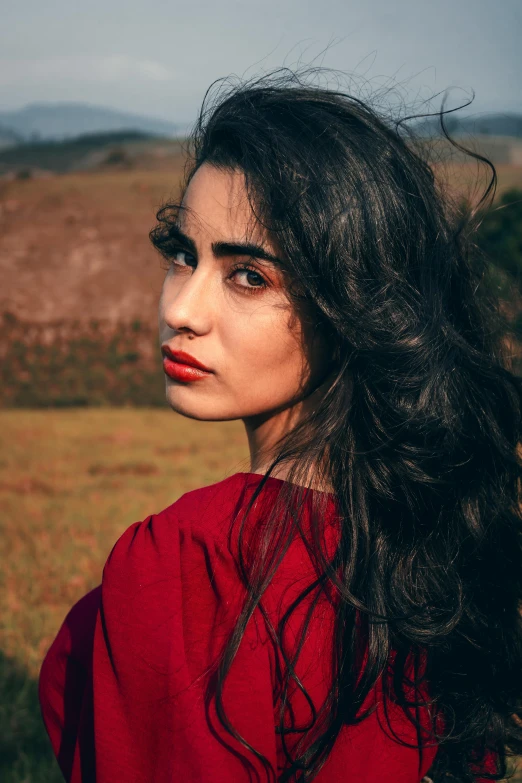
(70,483)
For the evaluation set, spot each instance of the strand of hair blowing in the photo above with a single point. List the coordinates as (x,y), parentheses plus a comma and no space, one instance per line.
(417,434)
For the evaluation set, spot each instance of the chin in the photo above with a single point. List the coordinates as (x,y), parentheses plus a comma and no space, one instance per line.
(182,401)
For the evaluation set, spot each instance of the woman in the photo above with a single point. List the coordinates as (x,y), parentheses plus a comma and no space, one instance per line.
(348,608)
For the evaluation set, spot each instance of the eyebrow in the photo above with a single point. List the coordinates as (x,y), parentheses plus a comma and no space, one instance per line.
(223,249)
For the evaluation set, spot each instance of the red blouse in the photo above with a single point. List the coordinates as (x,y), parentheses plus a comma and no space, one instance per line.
(122,686)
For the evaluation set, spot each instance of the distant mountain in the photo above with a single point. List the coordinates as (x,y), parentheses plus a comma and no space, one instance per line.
(485,124)
(55,121)
(8,138)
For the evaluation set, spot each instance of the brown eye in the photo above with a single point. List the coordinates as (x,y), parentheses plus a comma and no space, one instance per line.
(255,281)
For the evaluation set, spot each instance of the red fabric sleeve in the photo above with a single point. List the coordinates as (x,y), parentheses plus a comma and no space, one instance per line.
(122,687)
(65,687)
(169,596)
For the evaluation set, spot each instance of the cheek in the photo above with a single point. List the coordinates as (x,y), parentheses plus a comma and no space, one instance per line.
(265,358)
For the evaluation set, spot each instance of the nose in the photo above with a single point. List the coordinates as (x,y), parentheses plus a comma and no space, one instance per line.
(186,303)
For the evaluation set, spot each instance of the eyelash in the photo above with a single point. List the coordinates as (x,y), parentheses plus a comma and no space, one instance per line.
(251,290)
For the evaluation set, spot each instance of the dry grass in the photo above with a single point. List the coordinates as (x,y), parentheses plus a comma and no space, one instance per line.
(70,483)
(469,180)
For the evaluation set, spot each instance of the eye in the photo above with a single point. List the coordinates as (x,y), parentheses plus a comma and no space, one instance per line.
(177,257)
(254,280)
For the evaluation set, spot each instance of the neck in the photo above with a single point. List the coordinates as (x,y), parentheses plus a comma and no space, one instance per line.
(265,431)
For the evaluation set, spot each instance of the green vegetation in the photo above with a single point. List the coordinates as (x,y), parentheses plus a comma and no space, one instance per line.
(500,237)
(60,156)
(71,482)
(71,363)
(25,755)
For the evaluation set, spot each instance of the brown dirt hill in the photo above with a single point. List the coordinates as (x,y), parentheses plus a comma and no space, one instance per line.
(76,246)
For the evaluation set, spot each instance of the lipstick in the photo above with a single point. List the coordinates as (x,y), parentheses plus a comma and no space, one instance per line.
(181,366)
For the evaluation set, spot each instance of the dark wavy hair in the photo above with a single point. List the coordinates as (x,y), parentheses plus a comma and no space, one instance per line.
(417,433)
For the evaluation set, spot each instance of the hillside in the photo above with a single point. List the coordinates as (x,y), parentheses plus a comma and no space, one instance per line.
(89,151)
(8,138)
(45,121)
(76,246)
(483,124)
(81,283)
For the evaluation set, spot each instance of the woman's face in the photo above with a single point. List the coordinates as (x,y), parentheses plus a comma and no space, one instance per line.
(238,322)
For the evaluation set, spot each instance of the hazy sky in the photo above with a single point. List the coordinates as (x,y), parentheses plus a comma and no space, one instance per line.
(159,57)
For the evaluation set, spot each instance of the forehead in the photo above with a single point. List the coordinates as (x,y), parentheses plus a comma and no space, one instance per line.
(216,202)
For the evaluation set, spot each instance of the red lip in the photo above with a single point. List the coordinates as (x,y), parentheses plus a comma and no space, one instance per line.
(183,358)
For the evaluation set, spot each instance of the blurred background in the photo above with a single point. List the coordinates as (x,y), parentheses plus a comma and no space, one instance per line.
(96,101)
